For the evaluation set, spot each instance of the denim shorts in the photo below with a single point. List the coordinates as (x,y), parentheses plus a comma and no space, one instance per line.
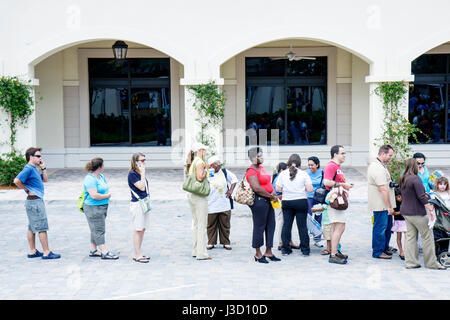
(37,217)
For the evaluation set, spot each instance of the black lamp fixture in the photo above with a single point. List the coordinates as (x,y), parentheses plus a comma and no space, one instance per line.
(120,49)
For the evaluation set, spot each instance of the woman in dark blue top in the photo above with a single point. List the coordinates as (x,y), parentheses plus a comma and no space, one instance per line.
(138,188)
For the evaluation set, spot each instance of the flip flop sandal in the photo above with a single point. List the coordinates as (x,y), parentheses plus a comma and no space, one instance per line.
(94,253)
(325,252)
(141,260)
(146,257)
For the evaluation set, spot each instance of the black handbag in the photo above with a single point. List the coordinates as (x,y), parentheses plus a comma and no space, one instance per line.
(320,194)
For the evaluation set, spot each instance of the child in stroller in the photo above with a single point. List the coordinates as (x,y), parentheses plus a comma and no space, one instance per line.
(441,229)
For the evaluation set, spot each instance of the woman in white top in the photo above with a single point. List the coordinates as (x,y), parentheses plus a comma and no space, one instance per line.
(294,184)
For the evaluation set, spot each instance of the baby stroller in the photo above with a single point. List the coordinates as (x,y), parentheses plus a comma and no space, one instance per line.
(441,230)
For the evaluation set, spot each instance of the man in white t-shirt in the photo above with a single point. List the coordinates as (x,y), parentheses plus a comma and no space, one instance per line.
(219,203)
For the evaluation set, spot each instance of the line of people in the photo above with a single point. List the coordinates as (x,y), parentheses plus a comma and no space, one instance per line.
(292,185)
(295,188)
(95,200)
(412,213)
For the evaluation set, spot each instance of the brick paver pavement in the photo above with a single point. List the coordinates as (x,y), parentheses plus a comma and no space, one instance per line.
(172,273)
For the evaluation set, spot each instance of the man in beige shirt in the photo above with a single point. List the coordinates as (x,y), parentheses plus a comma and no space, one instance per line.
(381,201)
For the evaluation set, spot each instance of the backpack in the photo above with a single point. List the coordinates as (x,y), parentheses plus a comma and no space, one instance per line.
(81,201)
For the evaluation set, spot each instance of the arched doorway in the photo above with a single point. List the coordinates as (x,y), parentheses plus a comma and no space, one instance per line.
(93,103)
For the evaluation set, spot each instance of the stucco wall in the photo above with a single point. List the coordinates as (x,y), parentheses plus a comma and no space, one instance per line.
(49,110)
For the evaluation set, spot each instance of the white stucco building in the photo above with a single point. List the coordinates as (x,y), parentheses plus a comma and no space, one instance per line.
(93,105)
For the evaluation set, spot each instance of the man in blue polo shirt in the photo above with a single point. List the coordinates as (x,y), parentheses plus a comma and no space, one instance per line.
(30,180)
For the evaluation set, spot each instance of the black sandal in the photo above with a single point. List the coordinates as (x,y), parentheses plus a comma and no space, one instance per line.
(141,260)
(109,256)
(273,258)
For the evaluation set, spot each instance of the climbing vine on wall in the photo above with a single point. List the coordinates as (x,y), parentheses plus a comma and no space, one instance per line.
(396,128)
(16,100)
(210,105)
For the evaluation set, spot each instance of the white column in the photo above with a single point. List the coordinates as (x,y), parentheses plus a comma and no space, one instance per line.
(376,121)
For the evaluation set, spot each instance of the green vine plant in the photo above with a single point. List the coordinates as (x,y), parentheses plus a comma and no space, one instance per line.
(209,103)
(16,100)
(396,129)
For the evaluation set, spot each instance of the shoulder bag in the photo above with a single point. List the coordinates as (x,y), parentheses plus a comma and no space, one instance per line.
(192,185)
(244,193)
(144,202)
(320,194)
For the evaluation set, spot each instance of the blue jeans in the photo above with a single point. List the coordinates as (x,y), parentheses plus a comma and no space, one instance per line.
(381,233)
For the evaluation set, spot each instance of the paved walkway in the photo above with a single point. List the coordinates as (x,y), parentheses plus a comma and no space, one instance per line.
(172,273)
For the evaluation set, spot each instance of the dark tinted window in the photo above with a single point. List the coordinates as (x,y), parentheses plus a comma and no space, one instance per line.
(108,68)
(428,98)
(265,67)
(286,100)
(304,68)
(120,119)
(430,64)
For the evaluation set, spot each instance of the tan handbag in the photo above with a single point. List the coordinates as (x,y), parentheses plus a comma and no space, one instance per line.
(244,194)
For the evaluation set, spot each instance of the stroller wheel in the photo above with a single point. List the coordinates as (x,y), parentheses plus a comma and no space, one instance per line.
(444,259)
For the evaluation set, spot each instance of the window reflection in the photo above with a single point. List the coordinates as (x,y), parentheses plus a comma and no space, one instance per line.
(306,107)
(428,106)
(112,121)
(265,110)
(286,100)
(109,116)
(151,109)
(427,111)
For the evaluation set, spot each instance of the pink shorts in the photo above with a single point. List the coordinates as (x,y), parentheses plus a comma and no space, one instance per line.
(399,226)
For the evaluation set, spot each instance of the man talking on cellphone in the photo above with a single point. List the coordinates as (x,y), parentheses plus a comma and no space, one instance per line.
(30,180)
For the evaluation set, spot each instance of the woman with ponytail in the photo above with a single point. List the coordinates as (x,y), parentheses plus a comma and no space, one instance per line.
(294,183)
(97,196)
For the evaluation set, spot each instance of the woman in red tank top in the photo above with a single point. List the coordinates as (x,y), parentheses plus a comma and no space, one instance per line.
(262,211)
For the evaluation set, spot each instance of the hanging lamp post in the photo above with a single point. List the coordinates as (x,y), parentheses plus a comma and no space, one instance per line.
(120,49)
